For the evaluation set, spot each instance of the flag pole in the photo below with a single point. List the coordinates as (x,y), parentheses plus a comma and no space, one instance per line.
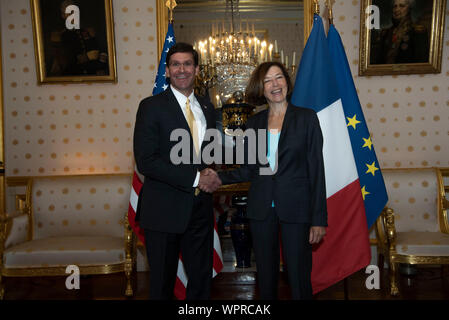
(317,7)
(329,5)
(171,4)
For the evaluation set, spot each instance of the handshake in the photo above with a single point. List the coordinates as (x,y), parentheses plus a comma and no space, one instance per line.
(209,180)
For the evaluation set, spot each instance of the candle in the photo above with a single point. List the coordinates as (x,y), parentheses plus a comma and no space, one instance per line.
(294,58)
(276,46)
(270,48)
(286,62)
(282,56)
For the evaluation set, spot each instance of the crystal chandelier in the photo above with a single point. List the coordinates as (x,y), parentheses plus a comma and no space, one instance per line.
(230,54)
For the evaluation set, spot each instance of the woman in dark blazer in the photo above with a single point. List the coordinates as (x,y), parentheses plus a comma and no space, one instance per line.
(287,192)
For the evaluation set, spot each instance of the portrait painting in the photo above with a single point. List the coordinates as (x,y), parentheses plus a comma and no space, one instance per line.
(401,36)
(74,41)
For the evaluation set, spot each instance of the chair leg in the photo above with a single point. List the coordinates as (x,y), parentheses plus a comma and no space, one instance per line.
(2,287)
(380,261)
(128,273)
(394,289)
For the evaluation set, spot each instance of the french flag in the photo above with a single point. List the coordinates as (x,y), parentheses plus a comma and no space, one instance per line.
(345,249)
(161,84)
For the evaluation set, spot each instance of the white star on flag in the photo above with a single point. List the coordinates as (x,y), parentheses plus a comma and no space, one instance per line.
(164,87)
(170,39)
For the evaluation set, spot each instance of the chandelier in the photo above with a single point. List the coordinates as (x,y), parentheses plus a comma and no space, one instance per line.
(230,54)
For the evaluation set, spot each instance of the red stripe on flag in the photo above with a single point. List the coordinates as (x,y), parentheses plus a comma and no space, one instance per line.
(345,249)
(180,290)
(136,185)
(217,265)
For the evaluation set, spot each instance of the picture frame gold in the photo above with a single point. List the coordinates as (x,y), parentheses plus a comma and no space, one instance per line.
(82,55)
(163,14)
(411,47)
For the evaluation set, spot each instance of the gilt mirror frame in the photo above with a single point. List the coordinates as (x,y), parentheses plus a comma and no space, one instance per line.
(162,14)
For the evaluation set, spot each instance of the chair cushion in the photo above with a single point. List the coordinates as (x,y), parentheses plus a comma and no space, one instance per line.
(64,251)
(422,243)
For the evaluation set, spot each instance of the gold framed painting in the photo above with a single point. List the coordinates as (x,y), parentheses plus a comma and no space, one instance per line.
(74,41)
(401,36)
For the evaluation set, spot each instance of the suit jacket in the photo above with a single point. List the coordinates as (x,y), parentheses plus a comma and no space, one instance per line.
(297,186)
(166,199)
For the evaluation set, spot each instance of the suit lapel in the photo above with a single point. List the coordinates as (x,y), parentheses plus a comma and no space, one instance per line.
(285,124)
(263,125)
(207,109)
(176,110)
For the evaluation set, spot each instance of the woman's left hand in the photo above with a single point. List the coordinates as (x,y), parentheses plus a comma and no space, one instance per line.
(316,234)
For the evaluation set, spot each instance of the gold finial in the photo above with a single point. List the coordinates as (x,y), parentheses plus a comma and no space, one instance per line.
(329,5)
(171,4)
(317,7)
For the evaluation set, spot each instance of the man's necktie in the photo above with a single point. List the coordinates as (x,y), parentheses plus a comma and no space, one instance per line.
(192,125)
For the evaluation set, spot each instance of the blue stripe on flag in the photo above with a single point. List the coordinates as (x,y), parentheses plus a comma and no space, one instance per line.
(161,83)
(315,78)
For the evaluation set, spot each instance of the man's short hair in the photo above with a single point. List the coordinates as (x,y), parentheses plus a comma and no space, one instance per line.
(182,47)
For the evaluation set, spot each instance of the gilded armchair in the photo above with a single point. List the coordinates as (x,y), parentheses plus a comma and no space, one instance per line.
(69,220)
(413,228)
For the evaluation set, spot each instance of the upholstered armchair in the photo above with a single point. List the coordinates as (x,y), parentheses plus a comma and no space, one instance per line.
(413,228)
(69,220)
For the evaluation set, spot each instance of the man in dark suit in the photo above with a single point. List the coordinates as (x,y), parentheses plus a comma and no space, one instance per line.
(175,205)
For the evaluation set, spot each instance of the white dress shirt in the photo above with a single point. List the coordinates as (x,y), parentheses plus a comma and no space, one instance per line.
(198,115)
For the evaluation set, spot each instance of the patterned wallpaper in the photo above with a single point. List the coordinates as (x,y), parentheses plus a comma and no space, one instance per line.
(81,129)
(408,115)
(76,128)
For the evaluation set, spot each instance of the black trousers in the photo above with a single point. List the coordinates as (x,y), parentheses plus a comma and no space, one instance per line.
(196,247)
(297,255)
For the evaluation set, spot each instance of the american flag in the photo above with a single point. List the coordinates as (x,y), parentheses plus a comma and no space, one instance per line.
(161,84)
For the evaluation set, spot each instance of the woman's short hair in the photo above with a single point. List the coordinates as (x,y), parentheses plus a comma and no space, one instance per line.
(254,89)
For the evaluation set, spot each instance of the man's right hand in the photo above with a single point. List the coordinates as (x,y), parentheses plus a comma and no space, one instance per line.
(209,180)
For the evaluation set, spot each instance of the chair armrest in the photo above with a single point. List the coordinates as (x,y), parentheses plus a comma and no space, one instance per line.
(17,230)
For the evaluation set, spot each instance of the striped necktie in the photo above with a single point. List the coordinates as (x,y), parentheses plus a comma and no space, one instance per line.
(192,125)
